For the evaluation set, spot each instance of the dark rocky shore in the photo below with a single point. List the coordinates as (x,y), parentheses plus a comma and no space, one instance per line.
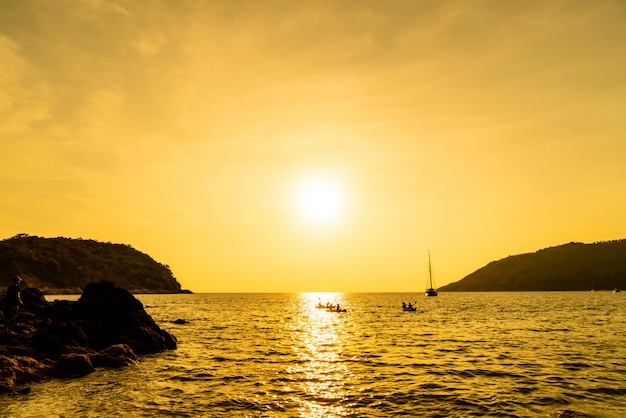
(106,327)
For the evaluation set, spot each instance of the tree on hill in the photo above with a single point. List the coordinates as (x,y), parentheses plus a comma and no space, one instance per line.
(573,266)
(64,265)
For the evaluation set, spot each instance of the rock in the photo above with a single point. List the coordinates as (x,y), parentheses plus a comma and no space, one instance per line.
(18,370)
(180,321)
(115,356)
(34,297)
(114,316)
(8,366)
(106,327)
(74,365)
(60,338)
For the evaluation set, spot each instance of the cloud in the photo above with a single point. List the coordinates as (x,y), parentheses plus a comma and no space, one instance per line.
(148,44)
(199,112)
(20,106)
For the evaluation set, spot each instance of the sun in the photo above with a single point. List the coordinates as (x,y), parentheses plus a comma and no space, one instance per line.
(319,200)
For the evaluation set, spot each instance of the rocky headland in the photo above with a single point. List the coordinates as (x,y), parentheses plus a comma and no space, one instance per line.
(569,267)
(106,327)
(65,265)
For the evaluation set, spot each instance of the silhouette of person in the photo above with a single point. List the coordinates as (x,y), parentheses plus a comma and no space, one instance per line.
(12,302)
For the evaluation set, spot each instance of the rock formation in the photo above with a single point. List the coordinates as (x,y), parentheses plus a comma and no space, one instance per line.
(106,327)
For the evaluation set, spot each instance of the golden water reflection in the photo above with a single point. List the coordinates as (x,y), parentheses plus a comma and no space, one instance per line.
(320,343)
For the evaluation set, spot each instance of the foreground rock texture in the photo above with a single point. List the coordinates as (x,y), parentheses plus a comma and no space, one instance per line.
(106,327)
(64,265)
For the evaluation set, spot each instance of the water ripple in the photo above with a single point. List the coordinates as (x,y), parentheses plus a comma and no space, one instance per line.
(508,355)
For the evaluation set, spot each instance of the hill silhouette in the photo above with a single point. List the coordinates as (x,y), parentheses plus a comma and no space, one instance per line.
(573,266)
(65,266)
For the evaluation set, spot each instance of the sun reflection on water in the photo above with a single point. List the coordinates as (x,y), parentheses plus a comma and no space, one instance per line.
(319,343)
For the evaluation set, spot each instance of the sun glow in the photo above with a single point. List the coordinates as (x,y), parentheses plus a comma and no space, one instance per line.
(319,200)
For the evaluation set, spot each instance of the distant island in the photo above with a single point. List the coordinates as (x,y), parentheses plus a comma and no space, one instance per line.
(65,265)
(569,267)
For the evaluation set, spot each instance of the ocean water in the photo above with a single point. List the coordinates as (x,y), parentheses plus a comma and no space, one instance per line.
(275,355)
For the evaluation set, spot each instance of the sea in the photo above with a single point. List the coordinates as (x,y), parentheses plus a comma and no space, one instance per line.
(552,354)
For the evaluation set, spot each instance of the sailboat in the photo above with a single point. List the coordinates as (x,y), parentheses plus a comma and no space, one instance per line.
(431,291)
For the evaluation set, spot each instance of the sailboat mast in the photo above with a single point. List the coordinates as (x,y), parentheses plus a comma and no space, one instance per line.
(431,291)
(430,271)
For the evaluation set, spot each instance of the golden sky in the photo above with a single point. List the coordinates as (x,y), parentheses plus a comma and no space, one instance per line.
(195,131)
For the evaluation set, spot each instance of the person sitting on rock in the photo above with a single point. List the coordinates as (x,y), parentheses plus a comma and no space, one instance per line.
(12,302)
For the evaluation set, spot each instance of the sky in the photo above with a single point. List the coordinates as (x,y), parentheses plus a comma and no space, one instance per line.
(309,146)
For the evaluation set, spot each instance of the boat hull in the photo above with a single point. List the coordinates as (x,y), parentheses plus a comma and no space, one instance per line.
(431,292)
